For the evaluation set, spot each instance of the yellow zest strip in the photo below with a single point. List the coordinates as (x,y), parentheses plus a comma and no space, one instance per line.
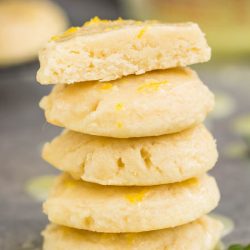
(151,86)
(67,33)
(142,32)
(135,197)
(119,106)
(119,125)
(106,86)
(97,20)
(193,181)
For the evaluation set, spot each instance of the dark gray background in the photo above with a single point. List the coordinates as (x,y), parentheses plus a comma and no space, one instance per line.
(23,130)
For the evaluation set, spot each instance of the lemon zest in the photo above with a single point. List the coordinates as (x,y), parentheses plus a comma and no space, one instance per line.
(119,125)
(119,106)
(142,32)
(95,20)
(65,34)
(106,86)
(191,182)
(151,86)
(135,197)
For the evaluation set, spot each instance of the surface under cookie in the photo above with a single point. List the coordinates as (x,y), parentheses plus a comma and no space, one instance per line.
(203,234)
(134,161)
(93,207)
(152,104)
(107,50)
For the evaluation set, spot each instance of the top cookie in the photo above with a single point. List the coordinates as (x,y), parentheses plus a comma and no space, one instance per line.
(107,50)
(25,26)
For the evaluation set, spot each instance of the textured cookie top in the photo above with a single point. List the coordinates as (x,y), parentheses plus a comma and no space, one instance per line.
(155,103)
(96,26)
(93,207)
(135,161)
(107,50)
(26,26)
(203,234)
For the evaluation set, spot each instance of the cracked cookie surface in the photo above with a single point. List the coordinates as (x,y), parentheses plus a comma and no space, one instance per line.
(134,161)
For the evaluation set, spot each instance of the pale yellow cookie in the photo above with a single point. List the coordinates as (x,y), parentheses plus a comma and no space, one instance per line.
(135,161)
(202,234)
(107,50)
(155,103)
(93,207)
(26,26)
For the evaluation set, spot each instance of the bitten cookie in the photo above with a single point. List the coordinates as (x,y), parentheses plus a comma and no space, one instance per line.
(107,50)
(25,26)
(152,104)
(135,161)
(93,207)
(203,234)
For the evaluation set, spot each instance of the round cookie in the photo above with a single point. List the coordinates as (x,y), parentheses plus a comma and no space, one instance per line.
(134,161)
(156,103)
(25,26)
(111,209)
(203,233)
(107,50)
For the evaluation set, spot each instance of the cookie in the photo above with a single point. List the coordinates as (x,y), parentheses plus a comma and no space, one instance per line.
(135,161)
(25,27)
(107,50)
(203,234)
(152,104)
(112,209)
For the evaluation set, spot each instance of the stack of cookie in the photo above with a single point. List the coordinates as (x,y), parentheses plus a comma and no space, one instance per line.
(134,153)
